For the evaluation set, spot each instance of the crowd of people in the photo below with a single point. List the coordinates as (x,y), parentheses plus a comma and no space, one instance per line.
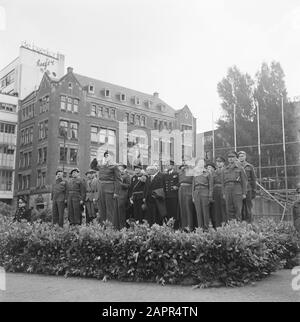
(196,194)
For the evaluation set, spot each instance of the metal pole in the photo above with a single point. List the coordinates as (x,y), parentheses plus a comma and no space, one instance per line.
(284,151)
(213,135)
(234,117)
(258,142)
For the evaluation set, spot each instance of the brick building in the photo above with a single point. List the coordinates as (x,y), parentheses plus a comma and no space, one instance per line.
(69,121)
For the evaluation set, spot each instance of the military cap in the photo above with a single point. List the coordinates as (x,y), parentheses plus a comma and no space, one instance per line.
(90,171)
(242,152)
(106,153)
(232,154)
(122,165)
(139,166)
(211,164)
(58,170)
(74,169)
(220,159)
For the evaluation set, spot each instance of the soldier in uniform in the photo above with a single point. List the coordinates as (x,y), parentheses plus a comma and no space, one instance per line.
(234,187)
(218,208)
(202,193)
(59,198)
(137,192)
(155,196)
(296,210)
(109,190)
(251,187)
(186,205)
(75,196)
(91,198)
(123,196)
(171,181)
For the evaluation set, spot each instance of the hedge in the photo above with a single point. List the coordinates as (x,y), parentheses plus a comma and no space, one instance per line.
(232,255)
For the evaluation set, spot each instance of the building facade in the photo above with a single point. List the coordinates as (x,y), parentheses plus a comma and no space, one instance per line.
(8,140)
(68,122)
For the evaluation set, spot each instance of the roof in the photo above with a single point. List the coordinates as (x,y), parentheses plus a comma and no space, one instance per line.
(99,86)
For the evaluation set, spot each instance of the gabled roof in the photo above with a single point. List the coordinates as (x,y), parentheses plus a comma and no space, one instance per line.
(99,86)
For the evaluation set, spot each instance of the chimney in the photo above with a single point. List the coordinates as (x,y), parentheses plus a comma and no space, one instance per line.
(70,70)
(155,94)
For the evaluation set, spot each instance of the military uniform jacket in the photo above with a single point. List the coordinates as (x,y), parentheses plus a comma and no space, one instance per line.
(296,215)
(171,180)
(137,188)
(76,187)
(125,183)
(234,174)
(204,182)
(217,177)
(251,176)
(91,189)
(184,178)
(153,184)
(111,173)
(59,189)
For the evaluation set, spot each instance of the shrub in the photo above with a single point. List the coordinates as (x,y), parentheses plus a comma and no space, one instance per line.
(232,255)
(6,210)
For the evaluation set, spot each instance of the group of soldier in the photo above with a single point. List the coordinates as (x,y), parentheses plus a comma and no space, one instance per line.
(195,195)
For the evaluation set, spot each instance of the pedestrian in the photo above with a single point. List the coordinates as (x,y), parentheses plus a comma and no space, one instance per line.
(234,187)
(187,211)
(171,180)
(296,209)
(251,187)
(59,198)
(76,192)
(91,184)
(202,193)
(22,212)
(218,207)
(109,190)
(155,196)
(137,193)
(123,202)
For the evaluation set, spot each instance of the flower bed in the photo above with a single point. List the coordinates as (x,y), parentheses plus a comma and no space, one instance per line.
(235,254)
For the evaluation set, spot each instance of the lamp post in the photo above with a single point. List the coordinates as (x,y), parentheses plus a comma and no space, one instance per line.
(284,151)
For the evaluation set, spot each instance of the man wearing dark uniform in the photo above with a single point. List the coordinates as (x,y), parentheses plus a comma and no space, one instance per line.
(296,210)
(218,208)
(251,187)
(136,193)
(123,196)
(187,209)
(59,199)
(171,181)
(234,187)
(155,196)
(109,190)
(91,184)
(202,193)
(75,195)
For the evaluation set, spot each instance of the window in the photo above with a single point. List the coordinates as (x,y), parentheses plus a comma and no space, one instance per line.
(45,155)
(137,120)
(40,155)
(113,114)
(91,88)
(123,97)
(29,158)
(94,134)
(31,134)
(21,160)
(73,155)
(46,129)
(63,103)
(43,179)
(155,146)
(93,110)
(111,137)
(165,125)
(107,93)
(6,180)
(102,136)
(63,154)
(132,118)
(74,130)
(127,117)
(69,105)
(107,112)
(170,126)
(75,105)
(8,107)
(7,128)
(63,128)
(155,124)
(143,121)
(70,85)
(160,125)
(100,111)
(137,101)
(39,178)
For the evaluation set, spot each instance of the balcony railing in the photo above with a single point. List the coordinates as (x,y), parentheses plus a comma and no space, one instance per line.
(8,138)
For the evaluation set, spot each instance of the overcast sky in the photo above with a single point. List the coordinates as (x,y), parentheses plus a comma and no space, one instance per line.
(180,49)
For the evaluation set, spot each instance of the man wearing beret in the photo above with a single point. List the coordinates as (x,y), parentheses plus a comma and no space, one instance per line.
(91,198)
(234,187)
(218,208)
(171,182)
(76,192)
(59,198)
(251,187)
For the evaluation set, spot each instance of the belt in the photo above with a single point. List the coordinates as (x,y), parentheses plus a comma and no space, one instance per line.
(185,184)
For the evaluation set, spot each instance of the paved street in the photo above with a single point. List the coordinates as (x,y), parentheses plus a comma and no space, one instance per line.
(25,287)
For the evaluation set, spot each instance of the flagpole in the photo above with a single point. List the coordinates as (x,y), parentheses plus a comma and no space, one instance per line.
(284,151)
(258,141)
(234,117)
(213,135)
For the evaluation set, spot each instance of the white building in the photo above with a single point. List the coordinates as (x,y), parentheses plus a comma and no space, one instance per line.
(8,140)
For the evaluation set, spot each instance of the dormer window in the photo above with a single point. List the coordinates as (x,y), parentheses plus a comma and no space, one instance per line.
(122,97)
(91,88)
(148,104)
(161,107)
(107,93)
(70,85)
(137,101)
